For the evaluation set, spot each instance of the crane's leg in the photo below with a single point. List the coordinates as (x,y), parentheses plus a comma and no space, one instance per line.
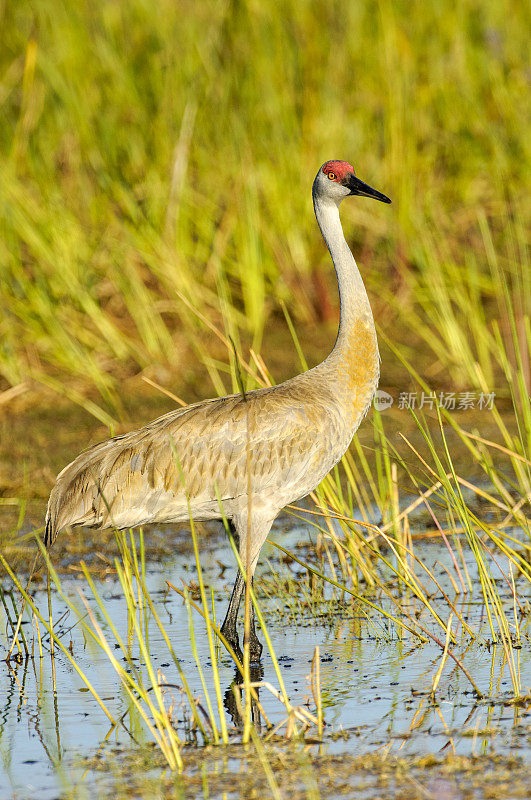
(259,531)
(228,629)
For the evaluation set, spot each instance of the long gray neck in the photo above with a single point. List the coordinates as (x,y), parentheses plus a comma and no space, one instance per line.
(354,308)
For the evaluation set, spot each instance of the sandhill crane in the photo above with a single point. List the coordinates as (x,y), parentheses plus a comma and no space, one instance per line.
(274,444)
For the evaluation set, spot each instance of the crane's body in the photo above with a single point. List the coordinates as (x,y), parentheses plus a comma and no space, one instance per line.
(246,453)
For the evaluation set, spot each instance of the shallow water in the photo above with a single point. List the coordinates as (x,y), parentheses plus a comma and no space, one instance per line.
(375,684)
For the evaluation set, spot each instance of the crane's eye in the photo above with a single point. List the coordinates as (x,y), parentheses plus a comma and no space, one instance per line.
(331,176)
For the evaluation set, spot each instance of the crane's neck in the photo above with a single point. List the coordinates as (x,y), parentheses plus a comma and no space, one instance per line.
(355,353)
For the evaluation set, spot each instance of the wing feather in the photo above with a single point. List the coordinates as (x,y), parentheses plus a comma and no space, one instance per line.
(199,451)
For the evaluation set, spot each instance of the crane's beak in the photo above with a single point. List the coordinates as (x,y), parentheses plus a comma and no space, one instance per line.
(358,187)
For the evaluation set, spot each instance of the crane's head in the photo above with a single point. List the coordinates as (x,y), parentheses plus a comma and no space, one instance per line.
(337,180)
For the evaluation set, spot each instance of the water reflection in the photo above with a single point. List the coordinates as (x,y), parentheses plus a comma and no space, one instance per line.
(232,699)
(375,686)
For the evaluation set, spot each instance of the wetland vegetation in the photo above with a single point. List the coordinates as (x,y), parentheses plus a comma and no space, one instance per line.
(158,243)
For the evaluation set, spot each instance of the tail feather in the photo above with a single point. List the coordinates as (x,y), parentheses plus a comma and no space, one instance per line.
(50,525)
(74,500)
(48,533)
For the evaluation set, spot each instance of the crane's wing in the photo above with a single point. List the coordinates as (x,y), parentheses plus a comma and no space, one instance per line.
(190,459)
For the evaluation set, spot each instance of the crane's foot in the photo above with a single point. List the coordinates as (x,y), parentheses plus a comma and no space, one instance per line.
(231,635)
(255,647)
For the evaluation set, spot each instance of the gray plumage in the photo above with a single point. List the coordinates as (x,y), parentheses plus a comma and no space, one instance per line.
(282,441)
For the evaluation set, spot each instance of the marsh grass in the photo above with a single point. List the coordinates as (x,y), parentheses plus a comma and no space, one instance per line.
(155,212)
(164,180)
(367,559)
(308,775)
(364,529)
(152,704)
